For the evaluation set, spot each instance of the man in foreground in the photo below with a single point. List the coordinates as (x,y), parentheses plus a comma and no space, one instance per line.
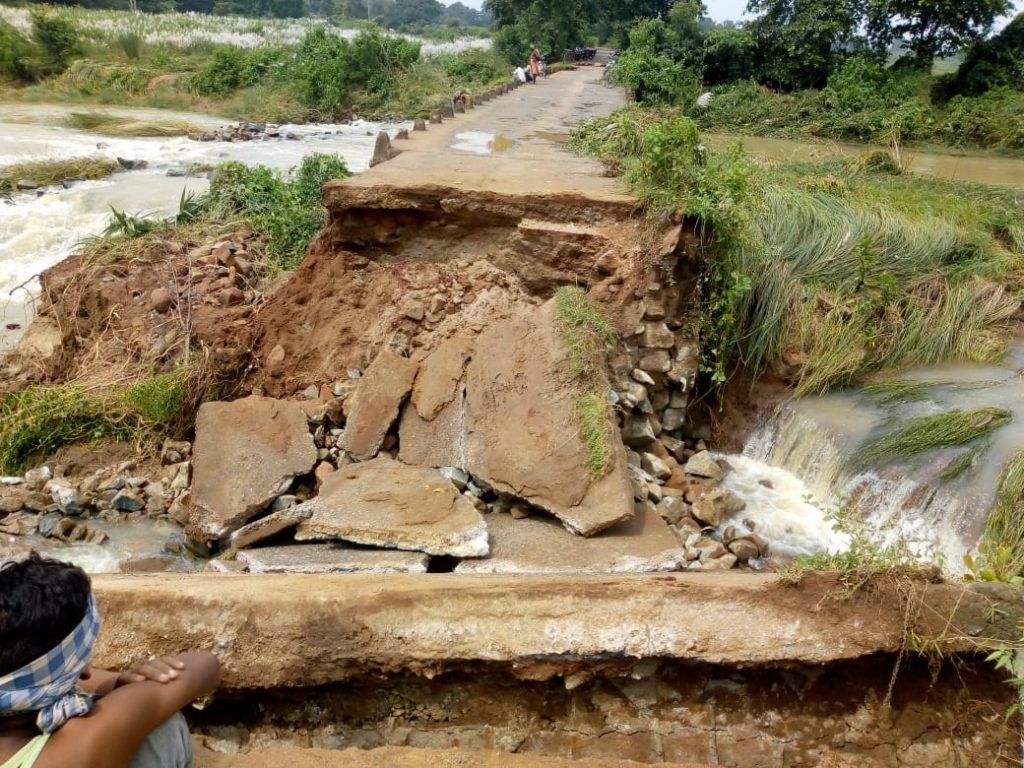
(57,712)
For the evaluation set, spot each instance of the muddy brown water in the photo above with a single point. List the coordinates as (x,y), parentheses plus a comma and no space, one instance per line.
(1000,171)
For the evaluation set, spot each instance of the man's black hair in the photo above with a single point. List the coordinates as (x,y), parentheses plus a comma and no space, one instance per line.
(41,602)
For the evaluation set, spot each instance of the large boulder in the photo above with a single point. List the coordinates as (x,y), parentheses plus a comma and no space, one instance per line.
(384,503)
(539,544)
(374,405)
(511,421)
(247,452)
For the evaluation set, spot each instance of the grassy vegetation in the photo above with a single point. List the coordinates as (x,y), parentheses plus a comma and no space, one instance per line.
(898,390)
(900,111)
(841,270)
(963,463)
(1001,553)
(269,70)
(922,434)
(50,172)
(37,421)
(114,125)
(588,336)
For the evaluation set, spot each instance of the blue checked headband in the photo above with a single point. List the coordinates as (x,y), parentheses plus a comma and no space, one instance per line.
(49,685)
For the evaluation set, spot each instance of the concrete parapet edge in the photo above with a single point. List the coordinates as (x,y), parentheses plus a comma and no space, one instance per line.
(293,631)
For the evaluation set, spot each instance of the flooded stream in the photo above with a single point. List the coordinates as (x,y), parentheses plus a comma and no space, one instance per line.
(38,231)
(1001,171)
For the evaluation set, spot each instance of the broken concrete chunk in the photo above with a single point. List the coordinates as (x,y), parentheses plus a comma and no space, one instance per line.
(374,405)
(269,526)
(331,558)
(538,544)
(703,465)
(439,376)
(246,454)
(385,503)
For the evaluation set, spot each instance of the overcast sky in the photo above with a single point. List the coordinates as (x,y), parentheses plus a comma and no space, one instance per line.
(719,10)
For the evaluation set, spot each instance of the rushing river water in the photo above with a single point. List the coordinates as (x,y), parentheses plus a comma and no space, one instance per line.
(37,231)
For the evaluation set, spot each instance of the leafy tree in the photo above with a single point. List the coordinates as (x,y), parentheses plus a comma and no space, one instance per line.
(932,28)
(413,12)
(16,55)
(728,55)
(471,17)
(989,64)
(552,25)
(797,40)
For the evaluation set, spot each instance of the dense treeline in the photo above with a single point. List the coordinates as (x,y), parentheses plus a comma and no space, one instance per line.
(853,69)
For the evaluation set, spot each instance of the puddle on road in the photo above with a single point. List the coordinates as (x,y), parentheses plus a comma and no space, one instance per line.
(557,138)
(482,143)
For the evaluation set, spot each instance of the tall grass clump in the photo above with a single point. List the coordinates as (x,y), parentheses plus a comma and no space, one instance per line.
(50,172)
(829,272)
(588,337)
(37,421)
(116,125)
(1001,552)
(924,433)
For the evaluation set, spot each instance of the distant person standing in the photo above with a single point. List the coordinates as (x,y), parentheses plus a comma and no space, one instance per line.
(535,63)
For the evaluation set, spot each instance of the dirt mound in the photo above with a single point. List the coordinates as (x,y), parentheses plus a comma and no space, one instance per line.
(116,318)
(409,268)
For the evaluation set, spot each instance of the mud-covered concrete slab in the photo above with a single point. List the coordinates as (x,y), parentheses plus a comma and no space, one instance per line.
(540,544)
(405,757)
(375,403)
(331,558)
(384,503)
(261,625)
(246,453)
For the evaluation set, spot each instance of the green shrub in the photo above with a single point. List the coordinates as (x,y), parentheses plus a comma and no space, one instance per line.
(58,41)
(655,78)
(288,211)
(474,67)
(18,58)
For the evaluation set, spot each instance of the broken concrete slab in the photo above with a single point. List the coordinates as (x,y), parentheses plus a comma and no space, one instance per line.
(332,558)
(269,526)
(374,405)
(246,454)
(515,426)
(384,503)
(539,544)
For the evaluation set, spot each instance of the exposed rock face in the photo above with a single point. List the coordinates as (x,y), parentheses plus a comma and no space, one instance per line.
(332,558)
(375,403)
(385,503)
(538,545)
(246,453)
(514,425)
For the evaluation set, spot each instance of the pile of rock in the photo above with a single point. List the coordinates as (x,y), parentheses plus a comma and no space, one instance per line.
(44,502)
(245,131)
(685,488)
(220,272)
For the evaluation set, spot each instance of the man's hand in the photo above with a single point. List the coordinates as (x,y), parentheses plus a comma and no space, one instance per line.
(162,670)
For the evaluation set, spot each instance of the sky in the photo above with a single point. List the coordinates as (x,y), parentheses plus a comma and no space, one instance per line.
(719,10)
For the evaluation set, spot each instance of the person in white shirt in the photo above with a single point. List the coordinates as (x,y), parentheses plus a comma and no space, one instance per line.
(519,74)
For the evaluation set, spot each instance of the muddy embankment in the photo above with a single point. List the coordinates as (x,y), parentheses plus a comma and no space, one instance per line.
(421,333)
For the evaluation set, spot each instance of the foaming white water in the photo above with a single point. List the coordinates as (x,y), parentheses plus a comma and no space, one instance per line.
(37,232)
(941,518)
(781,509)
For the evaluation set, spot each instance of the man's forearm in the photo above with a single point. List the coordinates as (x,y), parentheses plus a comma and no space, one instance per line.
(99,682)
